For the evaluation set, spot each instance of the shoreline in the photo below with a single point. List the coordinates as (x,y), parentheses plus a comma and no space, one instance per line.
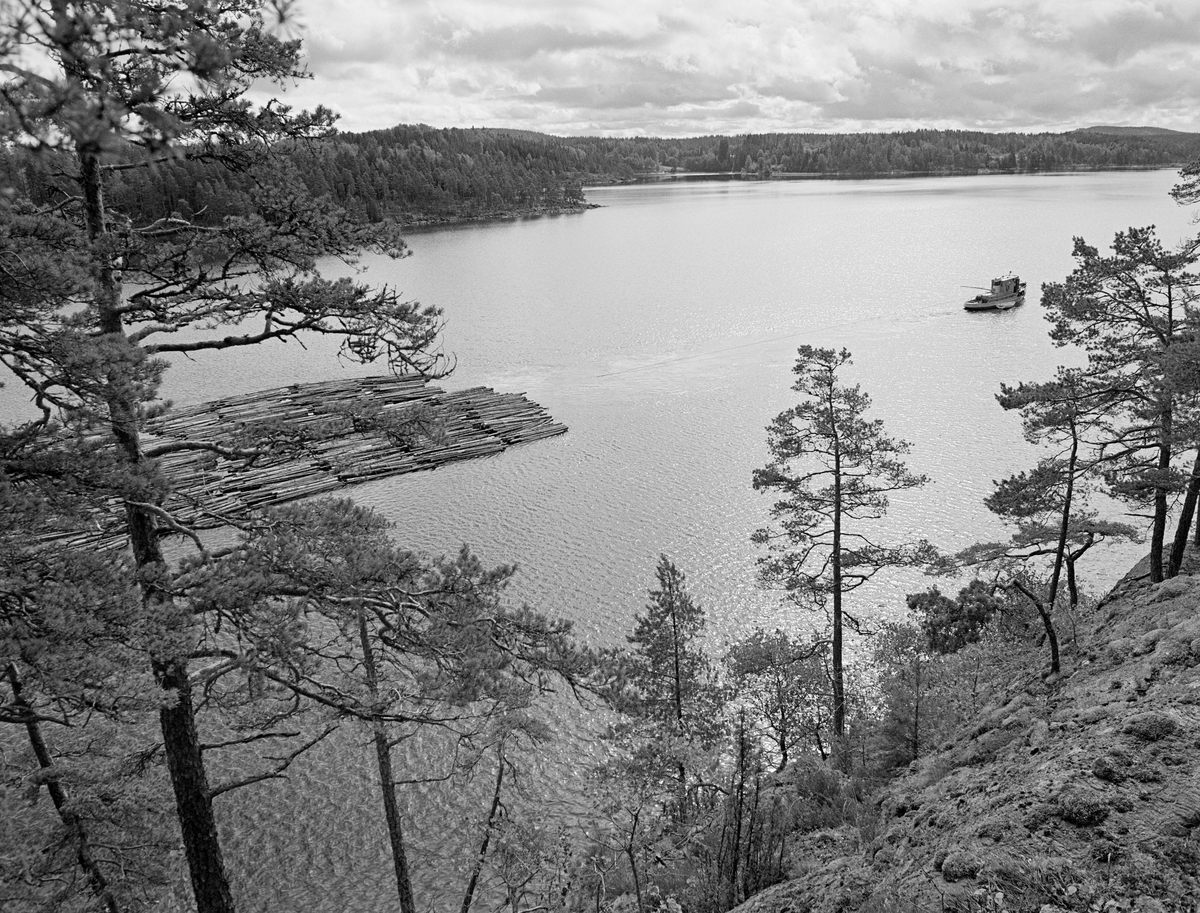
(419,223)
(424,222)
(655,177)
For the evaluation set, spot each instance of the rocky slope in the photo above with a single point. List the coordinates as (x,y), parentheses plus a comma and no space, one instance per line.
(1080,793)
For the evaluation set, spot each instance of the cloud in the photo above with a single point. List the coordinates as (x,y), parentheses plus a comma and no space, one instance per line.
(685,66)
(1129,33)
(522,42)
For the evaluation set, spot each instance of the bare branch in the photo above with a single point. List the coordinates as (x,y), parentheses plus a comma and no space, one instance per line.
(258,736)
(171,522)
(230,453)
(278,772)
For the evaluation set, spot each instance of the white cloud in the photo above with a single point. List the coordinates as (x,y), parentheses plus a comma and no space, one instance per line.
(672,67)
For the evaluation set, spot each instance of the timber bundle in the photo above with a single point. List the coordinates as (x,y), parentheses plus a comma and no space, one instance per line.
(315,438)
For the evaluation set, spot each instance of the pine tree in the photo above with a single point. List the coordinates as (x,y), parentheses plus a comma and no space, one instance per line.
(91,299)
(1048,505)
(833,469)
(674,680)
(1134,313)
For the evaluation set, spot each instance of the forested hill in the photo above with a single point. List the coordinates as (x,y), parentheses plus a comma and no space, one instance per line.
(1134,131)
(408,174)
(866,154)
(415,174)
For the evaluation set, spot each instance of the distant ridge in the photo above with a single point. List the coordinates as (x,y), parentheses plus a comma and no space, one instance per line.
(487,131)
(519,134)
(1135,131)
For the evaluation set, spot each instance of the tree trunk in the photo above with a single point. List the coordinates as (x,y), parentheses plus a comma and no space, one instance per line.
(739,800)
(193,801)
(717,885)
(1196,534)
(181,743)
(632,857)
(677,689)
(916,722)
(391,813)
(1158,531)
(677,671)
(387,782)
(1052,637)
(58,795)
(637,882)
(1047,623)
(839,681)
(469,895)
(1072,584)
(1060,550)
(752,866)
(1179,546)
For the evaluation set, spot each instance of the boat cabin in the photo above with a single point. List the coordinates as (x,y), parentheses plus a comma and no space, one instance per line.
(1008,285)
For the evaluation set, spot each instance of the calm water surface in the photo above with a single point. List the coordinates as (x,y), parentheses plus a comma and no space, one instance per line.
(662,329)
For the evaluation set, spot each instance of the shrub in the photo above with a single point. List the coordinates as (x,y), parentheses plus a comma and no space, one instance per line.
(1078,808)
(823,797)
(960,864)
(951,624)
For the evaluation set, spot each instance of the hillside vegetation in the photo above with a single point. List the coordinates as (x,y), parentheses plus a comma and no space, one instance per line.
(1079,792)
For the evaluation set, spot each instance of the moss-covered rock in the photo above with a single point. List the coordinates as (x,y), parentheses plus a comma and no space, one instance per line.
(961,864)
(1111,767)
(1151,725)
(1081,808)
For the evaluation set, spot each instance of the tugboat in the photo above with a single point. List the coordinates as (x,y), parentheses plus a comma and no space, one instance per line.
(1006,292)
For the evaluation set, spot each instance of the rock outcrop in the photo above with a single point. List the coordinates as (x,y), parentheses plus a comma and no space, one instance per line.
(1077,793)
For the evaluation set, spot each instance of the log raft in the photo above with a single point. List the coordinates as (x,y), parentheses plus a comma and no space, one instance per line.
(316,438)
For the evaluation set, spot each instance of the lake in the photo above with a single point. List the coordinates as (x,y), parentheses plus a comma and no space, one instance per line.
(662,328)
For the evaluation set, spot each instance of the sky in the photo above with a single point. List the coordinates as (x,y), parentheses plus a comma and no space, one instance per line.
(690,67)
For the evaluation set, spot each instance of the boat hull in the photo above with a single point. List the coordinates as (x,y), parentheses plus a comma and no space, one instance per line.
(994,303)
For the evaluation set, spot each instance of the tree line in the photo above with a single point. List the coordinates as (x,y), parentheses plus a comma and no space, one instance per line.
(415,174)
(130,678)
(868,154)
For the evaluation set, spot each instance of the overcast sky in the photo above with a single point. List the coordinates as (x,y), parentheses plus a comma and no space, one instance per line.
(687,67)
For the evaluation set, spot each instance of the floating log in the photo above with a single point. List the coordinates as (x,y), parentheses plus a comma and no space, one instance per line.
(316,438)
